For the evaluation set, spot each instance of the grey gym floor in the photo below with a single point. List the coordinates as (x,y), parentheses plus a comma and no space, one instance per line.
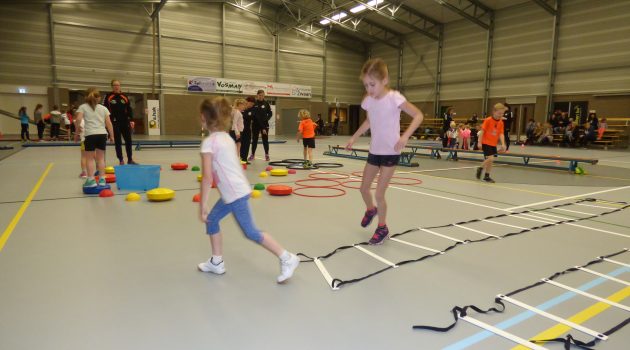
(83,272)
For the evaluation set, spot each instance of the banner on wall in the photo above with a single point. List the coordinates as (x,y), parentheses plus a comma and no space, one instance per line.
(247,87)
(153,116)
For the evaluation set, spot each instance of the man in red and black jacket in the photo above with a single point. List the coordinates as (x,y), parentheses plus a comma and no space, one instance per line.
(122,117)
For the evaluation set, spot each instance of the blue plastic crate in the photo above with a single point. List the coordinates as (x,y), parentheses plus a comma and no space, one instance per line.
(137,177)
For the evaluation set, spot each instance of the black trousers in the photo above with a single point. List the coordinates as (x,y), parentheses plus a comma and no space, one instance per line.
(444,138)
(40,129)
(246,140)
(122,129)
(256,130)
(506,134)
(54,130)
(24,132)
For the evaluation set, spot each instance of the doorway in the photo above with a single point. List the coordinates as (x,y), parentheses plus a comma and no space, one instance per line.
(522,113)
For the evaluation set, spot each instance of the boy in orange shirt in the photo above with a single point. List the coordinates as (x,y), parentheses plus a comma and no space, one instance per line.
(307,131)
(489,135)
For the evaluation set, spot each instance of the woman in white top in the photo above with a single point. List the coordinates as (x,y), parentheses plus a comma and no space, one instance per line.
(97,128)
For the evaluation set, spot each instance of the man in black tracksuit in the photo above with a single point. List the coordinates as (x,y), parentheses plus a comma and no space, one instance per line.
(246,134)
(121,116)
(508,116)
(447,118)
(262,113)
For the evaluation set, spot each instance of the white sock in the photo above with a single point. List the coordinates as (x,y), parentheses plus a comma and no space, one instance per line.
(216,259)
(285,256)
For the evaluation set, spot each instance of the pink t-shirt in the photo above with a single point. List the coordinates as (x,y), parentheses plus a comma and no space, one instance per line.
(384,116)
(465,133)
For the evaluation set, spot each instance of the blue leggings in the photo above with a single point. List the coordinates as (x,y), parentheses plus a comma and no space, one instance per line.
(242,213)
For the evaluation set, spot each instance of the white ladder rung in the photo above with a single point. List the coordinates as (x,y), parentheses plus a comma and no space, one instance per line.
(596,206)
(502,333)
(552,317)
(441,235)
(377,257)
(508,225)
(602,275)
(325,273)
(477,231)
(574,211)
(588,295)
(616,262)
(416,245)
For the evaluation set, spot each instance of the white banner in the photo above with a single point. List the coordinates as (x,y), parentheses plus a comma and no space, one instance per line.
(153,117)
(247,87)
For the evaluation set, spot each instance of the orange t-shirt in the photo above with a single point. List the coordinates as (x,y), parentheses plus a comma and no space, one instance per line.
(492,129)
(307,128)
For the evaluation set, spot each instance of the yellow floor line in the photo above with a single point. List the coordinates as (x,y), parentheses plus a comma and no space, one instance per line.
(16,219)
(579,318)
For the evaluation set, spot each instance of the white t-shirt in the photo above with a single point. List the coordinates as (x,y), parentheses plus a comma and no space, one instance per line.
(237,121)
(226,166)
(94,119)
(384,116)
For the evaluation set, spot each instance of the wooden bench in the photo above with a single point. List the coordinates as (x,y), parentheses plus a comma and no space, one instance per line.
(337,151)
(435,153)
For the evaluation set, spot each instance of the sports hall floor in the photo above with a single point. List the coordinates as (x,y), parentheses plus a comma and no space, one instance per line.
(81,272)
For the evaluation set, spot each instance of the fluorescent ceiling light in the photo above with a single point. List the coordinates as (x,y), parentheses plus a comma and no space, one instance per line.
(360,8)
(336,17)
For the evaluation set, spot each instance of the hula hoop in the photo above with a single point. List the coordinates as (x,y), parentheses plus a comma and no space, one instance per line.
(294,161)
(328,165)
(278,163)
(357,173)
(341,192)
(336,183)
(344,184)
(297,166)
(316,176)
(412,182)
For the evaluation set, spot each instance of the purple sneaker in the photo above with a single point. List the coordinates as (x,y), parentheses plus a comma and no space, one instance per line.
(251,158)
(380,234)
(367,218)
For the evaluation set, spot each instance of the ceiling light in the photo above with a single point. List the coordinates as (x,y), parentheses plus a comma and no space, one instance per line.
(360,8)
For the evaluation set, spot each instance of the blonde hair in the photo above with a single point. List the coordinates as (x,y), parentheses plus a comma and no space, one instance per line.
(239,101)
(375,68)
(217,113)
(113,81)
(304,114)
(93,97)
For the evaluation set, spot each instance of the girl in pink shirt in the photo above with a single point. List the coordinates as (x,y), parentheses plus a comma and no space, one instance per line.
(465,135)
(383,106)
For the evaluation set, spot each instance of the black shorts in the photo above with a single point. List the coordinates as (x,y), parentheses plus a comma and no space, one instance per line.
(233,135)
(94,142)
(309,143)
(388,160)
(489,150)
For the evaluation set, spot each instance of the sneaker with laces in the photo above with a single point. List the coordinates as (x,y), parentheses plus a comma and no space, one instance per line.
(102,182)
(208,266)
(479,170)
(251,158)
(287,268)
(90,183)
(380,234)
(83,175)
(368,216)
(488,179)
(267,157)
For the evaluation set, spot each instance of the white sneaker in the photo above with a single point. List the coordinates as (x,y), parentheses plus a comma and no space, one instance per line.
(208,266)
(287,268)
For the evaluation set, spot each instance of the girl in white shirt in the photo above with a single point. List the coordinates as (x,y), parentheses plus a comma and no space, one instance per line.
(220,163)
(93,121)
(237,122)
